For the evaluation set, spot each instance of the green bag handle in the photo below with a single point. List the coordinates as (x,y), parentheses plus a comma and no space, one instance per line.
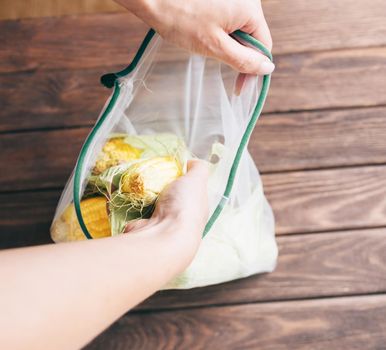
(111,80)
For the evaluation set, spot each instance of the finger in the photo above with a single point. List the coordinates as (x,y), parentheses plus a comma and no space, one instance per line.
(242,58)
(197,168)
(258,28)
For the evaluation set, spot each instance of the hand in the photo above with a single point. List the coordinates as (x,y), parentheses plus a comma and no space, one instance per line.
(183,209)
(203,27)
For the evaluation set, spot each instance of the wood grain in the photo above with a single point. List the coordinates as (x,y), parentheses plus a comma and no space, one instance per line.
(93,40)
(330,199)
(51,99)
(10,9)
(280,142)
(69,42)
(317,265)
(303,202)
(347,78)
(343,323)
(39,159)
(303,25)
(319,139)
(25,218)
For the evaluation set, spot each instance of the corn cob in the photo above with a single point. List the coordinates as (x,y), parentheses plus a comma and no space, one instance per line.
(114,152)
(144,180)
(95,216)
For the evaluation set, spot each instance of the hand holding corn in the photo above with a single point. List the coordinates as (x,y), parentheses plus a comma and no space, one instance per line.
(183,203)
(128,176)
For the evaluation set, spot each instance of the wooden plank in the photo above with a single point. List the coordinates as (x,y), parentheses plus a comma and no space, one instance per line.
(10,9)
(93,40)
(39,159)
(293,141)
(347,78)
(51,99)
(303,25)
(303,202)
(328,200)
(317,265)
(319,139)
(69,42)
(343,323)
(25,218)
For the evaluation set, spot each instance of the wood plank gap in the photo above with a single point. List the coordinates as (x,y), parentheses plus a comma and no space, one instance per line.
(32,190)
(324,168)
(334,230)
(331,50)
(265,302)
(323,109)
(47,129)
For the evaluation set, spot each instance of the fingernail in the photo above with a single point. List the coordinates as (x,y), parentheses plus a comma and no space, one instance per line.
(267,67)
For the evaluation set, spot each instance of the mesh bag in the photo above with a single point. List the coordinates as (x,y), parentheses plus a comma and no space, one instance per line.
(169,106)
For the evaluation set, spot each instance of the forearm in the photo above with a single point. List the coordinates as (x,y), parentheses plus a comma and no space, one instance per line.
(140,8)
(71,292)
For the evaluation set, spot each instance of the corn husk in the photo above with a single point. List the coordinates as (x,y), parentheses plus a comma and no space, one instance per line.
(158,145)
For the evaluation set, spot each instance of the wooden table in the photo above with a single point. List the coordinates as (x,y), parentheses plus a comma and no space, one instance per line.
(320,145)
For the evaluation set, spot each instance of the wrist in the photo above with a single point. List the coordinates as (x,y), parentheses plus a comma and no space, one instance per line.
(140,8)
(180,239)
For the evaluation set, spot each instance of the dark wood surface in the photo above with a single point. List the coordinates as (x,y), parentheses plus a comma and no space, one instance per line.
(303,81)
(342,323)
(324,200)
(320,145)
(310,266)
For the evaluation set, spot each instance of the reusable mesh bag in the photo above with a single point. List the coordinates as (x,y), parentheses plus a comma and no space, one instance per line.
(172,105)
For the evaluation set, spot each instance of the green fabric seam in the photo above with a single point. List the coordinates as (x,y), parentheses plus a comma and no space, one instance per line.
(236,161)
(82,155)
(111,79)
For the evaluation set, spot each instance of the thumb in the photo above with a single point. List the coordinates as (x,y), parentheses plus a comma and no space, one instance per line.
(198,169)
(242,58)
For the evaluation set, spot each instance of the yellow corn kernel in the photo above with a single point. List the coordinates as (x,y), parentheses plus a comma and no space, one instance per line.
(114,152)
(144,181)
(95,216)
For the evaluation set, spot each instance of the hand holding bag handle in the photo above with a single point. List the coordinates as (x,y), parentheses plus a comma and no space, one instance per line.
(111,80)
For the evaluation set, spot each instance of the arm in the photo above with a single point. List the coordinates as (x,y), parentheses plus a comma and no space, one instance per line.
(203,26)
(61,296)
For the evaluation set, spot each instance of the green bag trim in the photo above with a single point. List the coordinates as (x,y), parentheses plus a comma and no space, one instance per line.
(111,79)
